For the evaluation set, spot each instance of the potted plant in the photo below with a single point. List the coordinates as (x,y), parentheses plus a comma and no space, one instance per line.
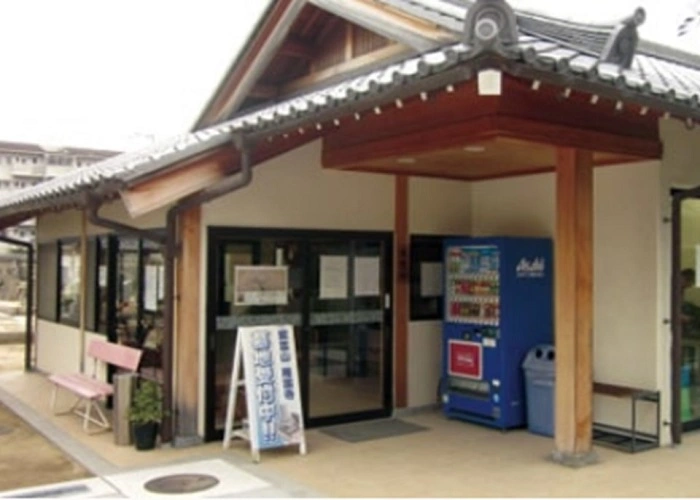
(146,414)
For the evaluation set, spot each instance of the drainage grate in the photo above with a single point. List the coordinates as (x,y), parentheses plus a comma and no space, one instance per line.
(5,430)
(181,483)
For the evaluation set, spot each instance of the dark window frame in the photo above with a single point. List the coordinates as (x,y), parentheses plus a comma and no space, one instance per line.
(425,248)
(59,282)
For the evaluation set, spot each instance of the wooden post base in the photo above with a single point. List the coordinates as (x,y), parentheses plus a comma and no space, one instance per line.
(575,460)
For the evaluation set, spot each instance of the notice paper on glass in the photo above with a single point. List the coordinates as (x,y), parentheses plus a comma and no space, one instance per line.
(333,273)
(161,282)
(102,276)
(431,279)
(150,289)
(366,276)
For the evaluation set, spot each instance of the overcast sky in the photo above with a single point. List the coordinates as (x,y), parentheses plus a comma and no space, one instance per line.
(101,73)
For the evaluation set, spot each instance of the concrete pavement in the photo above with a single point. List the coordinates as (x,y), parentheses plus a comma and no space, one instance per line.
(234,477)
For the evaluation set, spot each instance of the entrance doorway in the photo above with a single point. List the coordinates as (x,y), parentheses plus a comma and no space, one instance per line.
(339,303)
(686,312)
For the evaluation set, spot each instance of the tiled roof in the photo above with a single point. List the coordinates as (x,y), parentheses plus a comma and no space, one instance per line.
(563,50)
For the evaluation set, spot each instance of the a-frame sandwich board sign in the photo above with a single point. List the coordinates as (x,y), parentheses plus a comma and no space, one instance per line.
(267,356)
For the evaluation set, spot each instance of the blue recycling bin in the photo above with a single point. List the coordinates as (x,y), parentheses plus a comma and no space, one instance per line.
(539,388)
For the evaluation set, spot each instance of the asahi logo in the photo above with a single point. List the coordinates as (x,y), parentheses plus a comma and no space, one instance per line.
(530,268)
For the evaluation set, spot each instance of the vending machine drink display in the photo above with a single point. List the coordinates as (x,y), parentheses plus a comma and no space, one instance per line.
(498,304)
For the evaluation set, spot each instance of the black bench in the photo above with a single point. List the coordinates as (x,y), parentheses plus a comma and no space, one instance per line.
(630,439)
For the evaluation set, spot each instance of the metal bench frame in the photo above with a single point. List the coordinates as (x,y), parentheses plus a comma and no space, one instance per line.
(630,440)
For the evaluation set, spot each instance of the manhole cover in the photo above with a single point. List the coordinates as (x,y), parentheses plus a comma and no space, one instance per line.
(181,483)
(5,430)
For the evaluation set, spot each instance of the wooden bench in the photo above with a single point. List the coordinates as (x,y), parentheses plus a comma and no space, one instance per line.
(88,388)
(627,439)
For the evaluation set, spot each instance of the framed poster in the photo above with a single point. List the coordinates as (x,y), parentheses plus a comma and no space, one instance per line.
(261,285)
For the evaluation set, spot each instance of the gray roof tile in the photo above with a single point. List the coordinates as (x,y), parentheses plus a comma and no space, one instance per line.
(561,46)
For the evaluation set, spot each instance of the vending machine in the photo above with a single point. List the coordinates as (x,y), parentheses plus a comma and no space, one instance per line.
(498,304)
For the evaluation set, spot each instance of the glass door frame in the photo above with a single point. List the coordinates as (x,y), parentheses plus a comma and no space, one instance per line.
(677,424)
(218,237)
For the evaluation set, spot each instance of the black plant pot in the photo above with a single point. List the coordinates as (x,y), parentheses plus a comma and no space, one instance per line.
(145,435)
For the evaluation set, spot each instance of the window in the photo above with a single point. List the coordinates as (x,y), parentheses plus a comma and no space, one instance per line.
(127,291)
(69,282)
(426,277)
(47,281)
(102,301)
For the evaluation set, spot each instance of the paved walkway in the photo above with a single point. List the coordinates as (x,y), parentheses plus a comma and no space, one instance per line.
(233,477)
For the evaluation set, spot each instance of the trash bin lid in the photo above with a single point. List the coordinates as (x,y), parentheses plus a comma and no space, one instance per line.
(540,358)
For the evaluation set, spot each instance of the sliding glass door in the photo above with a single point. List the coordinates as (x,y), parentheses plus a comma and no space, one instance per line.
(337,299)
(347,326)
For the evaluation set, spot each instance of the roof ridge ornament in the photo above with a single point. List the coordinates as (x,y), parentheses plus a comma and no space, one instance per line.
(623,40)
(490,23)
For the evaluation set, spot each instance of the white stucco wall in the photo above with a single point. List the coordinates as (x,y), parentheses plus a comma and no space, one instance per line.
(59,348)
(293,191)
(625,253)
(52,226)
(435,207)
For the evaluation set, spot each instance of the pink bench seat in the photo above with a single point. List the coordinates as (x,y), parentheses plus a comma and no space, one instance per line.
(89,389)
(81,385)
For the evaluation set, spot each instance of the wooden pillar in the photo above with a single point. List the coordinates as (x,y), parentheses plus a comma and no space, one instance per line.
(187,311)
(84,288)
(401,291)
(574,307)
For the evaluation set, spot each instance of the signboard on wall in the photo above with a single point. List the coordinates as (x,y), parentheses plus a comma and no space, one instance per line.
(261,285)
(271,381)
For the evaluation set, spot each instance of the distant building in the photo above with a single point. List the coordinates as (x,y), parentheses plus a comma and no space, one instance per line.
(23,165)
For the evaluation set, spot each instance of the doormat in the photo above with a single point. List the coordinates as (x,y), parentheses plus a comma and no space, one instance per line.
(369,431)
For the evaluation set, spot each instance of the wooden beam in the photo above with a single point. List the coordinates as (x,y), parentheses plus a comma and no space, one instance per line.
(262,91)
(571,136)
(349,41)
(346,67)
(574,307)
(457,134)
(407,30)
(293,47)
(402,246)
(424,126)
(252,63)
(187,307)
(176,183)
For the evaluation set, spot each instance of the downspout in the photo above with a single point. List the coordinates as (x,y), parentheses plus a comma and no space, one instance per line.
(30,297)
(228,185)
(119,228)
